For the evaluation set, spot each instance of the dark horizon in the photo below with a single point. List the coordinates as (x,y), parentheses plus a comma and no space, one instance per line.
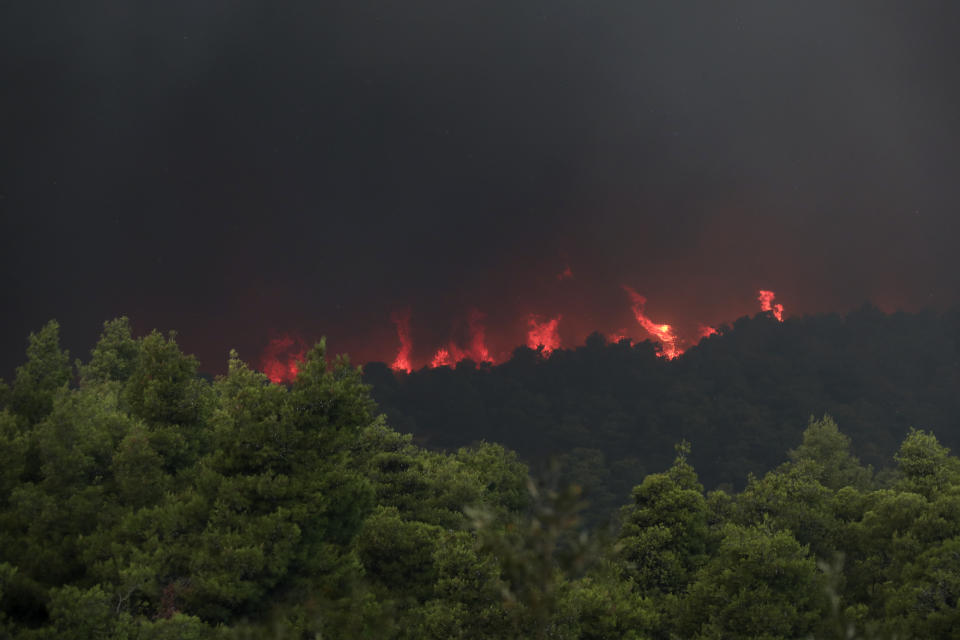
(243,171)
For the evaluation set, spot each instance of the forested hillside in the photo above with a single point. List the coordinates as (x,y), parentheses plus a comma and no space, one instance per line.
(140,501)
(612,412)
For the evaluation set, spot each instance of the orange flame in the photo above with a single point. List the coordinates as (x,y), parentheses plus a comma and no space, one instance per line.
(442,358)
(281,359)
(706,331)
(478,337)
(402,321)
(662,332)
(766,298)
(617,337)
(543,333)
(477,350)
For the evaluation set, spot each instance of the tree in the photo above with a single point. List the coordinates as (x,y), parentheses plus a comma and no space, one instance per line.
(115,356)
(163,387)
(792,499)
(607,606)
(665,535)
(398,554)
(759,584)
(538,553)
(924,465)
(71,490)
(37,381)
(925,600)
(826,453)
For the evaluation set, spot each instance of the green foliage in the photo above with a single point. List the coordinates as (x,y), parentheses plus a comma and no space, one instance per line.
(163,387)
(178,627)
(825,454)
(115,356)
(146,503)
(47,370)
(924,601)
(792,499)
(607,606)
(84,614)
(14,445)
(500,472)
(7,572)
(925,466)
(665,533)
(759,584)
(537,552)
(137,469)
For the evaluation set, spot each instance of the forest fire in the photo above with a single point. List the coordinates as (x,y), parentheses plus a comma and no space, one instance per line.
(449,355)
(402,321)
(442,358)
(478,338)
(766,298)
(663,333)
(281,359)
(542,333)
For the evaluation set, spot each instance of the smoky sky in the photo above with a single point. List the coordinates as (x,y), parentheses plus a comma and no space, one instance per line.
(237,170)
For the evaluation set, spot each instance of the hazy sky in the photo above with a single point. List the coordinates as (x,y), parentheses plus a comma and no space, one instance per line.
(236,170)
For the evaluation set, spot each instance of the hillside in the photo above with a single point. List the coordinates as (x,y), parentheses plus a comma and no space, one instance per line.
(140,501)
(613,412)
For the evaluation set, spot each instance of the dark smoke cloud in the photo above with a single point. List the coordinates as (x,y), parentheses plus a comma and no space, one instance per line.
(237,168)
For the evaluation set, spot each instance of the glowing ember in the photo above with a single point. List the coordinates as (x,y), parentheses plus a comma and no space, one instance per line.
(766,298)
(566,274)
(402,321)
(706,332)
(661,332)
(543,333)
(281,359)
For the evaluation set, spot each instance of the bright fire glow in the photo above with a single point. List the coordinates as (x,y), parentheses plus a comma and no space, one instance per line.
(478,338)
(543,333)
(402,321)
(766,300)
(281,359)
(442,358)
(477,349)
(663,333)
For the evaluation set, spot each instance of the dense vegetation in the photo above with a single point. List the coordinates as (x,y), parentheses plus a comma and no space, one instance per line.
(140,501)
(612,412)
